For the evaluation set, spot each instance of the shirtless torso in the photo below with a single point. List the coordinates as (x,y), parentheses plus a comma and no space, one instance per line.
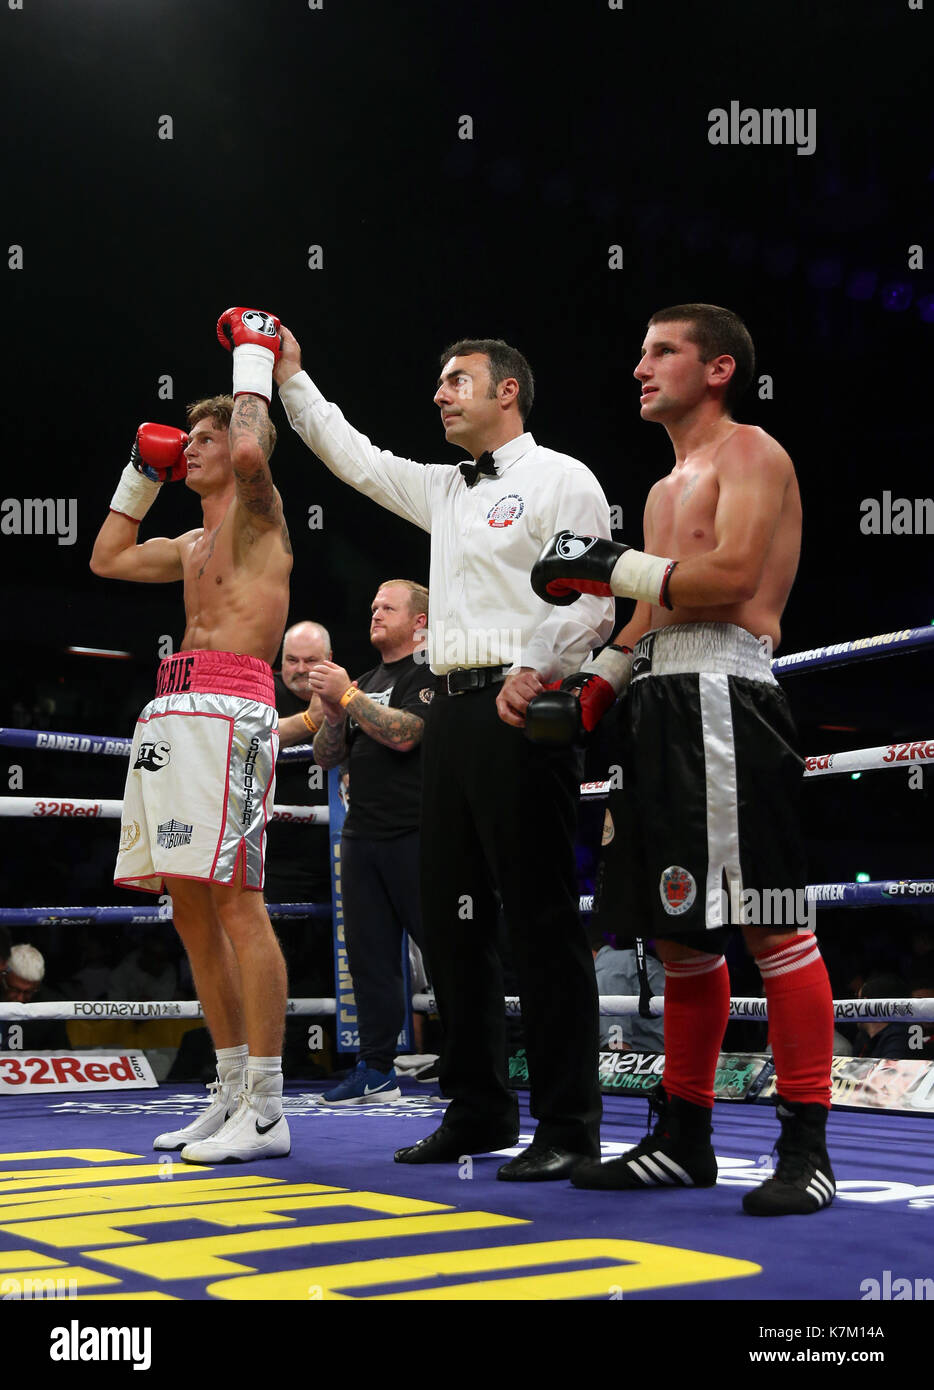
(235,567)
(741,488)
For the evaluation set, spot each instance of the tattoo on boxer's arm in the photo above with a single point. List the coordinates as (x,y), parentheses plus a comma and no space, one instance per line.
(250,420)
(330,744)
(392,727)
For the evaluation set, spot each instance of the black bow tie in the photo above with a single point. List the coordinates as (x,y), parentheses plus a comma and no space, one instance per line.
(471,471)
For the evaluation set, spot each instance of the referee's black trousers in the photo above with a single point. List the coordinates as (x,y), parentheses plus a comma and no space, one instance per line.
(500,813)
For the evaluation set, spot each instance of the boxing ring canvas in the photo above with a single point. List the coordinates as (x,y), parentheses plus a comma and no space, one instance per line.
(107,1218)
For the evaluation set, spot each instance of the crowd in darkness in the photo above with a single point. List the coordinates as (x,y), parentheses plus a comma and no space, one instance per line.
(879,952)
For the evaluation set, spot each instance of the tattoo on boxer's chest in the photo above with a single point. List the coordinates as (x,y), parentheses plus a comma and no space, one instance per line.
(689,488)
(210,553)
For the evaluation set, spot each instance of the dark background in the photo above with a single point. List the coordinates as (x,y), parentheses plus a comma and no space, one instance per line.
(339,128)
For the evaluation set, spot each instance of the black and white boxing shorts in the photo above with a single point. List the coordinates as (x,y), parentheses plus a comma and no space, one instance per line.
(702,829)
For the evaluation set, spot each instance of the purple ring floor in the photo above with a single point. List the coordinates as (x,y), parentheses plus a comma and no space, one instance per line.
(121,1225)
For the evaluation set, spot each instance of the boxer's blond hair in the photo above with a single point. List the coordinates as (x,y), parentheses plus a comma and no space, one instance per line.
(219,409)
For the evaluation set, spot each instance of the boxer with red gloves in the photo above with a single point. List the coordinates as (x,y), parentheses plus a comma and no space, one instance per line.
(255,340)
(157,457)
(200,784)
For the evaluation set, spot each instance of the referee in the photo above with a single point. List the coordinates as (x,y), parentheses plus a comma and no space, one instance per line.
(498,812)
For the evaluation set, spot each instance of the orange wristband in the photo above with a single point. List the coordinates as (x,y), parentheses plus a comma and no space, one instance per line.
(310,724)
(349,694)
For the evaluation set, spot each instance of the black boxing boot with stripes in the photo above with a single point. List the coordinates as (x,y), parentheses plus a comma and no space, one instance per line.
(678,1152)
(803,1181)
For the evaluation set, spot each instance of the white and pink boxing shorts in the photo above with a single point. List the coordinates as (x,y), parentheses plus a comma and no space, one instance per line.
(202,774)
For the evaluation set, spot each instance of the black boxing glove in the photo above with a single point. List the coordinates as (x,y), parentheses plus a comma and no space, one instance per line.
(567,709)
(571,565)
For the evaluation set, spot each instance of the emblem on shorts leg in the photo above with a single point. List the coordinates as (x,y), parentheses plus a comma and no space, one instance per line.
(678,890)
(172,833)
(129,834)
(153,755)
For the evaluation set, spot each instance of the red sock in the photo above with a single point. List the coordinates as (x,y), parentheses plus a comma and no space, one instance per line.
(697,1007)
(800,1006)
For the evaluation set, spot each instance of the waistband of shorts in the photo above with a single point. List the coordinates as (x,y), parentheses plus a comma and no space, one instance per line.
(719,649)
(216,673)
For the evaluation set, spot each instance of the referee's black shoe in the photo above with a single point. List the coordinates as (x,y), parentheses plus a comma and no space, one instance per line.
(803,1181)
(448,1145)
(678,1152)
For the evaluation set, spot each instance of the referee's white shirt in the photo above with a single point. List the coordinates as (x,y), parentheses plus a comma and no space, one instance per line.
(484,540)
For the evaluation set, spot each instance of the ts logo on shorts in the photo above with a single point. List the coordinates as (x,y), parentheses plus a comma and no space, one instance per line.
(507,510)
(172,833)
(678,890)
(153,755)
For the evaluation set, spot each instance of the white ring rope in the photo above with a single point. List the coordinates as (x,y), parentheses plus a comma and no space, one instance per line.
(880,1010)
(26,806)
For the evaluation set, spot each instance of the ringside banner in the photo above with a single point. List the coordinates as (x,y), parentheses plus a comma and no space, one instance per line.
(47,1072)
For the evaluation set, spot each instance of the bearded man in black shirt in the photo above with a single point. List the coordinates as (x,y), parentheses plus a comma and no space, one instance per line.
(376,725)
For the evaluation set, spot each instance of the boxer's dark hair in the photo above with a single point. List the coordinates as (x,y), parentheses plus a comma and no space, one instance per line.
(505,361)
(219,409)
(716,331)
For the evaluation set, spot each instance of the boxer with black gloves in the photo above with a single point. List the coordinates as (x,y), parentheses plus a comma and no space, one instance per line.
(202,764)
(572,565)
(705,827)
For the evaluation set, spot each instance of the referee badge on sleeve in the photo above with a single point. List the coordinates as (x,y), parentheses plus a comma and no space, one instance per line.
(678,890)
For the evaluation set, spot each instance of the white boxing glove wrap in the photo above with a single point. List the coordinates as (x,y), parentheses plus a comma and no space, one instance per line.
(613,665)
(640,576)
(135,494)
(252,371)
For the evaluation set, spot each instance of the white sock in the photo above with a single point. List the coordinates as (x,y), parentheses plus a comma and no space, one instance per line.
(264,1083)
(231,1065)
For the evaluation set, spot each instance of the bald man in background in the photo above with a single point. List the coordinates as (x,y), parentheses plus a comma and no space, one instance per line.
(297,858)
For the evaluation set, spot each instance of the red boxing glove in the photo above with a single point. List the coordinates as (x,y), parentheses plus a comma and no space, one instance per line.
(159,453)
(253,338)
(568,709)
(595,694)
(157,457)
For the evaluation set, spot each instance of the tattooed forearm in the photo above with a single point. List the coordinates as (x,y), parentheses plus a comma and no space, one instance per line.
(396,728)
(330,745)
(250,422)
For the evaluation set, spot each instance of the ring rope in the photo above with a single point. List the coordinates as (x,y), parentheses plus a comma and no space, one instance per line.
(897,892)
(45,740)
(131,916)
(880,1010)
(112,809)
(860,649)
